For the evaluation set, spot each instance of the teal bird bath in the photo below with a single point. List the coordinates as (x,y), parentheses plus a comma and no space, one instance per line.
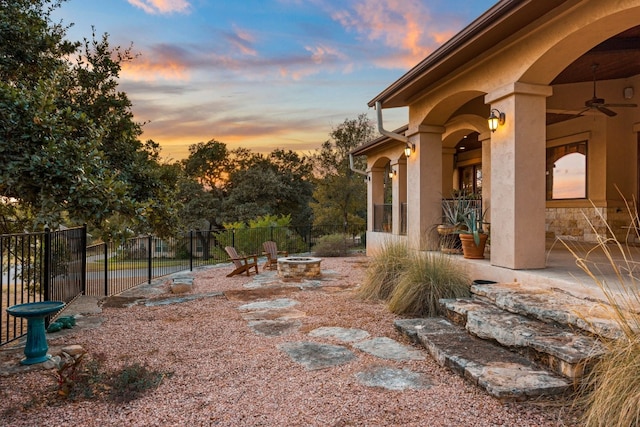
(35,350)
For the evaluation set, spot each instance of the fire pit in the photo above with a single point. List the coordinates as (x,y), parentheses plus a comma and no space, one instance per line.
(298,267)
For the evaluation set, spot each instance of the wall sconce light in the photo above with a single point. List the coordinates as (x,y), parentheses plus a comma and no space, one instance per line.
(494,120)
(628,92)
(409,149)
(392,173)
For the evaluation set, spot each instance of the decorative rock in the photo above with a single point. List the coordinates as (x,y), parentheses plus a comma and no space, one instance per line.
(317,356)
(386,348)
(268,305)
(182,285)
(342,334)
(73,350)
(392,378)
(274,328)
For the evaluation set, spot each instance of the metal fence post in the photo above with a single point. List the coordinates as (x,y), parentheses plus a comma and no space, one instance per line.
(150,272)
(191,250)
(46,279)
(106,269)
(83,268)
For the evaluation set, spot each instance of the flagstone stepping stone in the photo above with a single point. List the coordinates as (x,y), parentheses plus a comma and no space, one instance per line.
(269,305)
(342,334)
(247,295)
(279,314)
(262,279)
(386,348)
(274,328)
(393,378)
(315,356)
(179,300)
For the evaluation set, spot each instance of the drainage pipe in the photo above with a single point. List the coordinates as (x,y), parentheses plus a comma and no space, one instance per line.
(352,167)
(385,132)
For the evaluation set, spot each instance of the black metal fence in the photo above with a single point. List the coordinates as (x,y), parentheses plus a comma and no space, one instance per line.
(60,266)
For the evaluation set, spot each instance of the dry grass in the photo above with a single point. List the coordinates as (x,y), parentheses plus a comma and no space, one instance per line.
(384,272)
(610,393)
(429,278)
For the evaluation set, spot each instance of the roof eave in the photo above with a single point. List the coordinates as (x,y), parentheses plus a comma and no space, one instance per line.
(454,52)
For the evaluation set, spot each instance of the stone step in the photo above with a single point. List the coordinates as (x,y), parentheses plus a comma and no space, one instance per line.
(552,306)
(502,373)
(550,345)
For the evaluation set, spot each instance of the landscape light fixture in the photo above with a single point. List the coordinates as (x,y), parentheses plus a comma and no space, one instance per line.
(494,120)
(409,149)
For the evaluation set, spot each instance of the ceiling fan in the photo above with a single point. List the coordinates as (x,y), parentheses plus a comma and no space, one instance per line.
(598,104)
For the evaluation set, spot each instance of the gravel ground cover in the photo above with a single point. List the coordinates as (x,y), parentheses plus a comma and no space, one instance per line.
(224,373)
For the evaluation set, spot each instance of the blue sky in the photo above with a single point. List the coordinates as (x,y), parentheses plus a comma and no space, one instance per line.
(264,74)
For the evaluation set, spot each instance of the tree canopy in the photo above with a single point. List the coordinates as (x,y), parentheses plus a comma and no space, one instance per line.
(69,143)
(340,195)
(239,186)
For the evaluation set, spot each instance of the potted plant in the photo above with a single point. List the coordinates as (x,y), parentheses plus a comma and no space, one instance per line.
(453,215)
(472,234)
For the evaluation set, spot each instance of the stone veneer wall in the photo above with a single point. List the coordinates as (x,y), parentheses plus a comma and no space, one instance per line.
(307,268)
(585,224)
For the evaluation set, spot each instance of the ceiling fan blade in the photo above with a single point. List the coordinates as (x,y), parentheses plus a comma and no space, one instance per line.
(606,111)
(619,105)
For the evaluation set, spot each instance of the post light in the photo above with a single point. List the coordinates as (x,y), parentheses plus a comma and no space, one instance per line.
(494,120)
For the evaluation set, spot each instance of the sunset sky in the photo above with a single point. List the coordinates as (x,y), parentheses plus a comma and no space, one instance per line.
(264,74)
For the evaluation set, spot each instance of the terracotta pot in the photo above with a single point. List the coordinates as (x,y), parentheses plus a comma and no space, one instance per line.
(445,229)
(469,248)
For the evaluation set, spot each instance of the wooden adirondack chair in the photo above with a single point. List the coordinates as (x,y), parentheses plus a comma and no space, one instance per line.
(243,264)
(272,252)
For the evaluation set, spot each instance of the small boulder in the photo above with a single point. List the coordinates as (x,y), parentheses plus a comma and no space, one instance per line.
(73,350)
(182,285)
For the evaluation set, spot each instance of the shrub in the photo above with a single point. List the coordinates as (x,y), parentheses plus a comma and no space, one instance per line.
(86,378)
(331,245)
(384,271)
(428,278)
(132,381)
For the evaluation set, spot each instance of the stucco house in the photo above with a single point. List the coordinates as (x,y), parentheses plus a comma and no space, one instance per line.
(565,77)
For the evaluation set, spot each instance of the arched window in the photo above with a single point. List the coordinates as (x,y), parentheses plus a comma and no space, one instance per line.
(567,171)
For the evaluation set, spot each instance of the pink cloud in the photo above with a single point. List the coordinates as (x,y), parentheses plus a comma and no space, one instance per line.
(320,54)
(405,25)
(243,41)
(150,71)
(161,6)
(162,62)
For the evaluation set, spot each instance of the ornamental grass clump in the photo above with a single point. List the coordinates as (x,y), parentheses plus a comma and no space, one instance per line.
(610,393)
(384,271)
(429,277)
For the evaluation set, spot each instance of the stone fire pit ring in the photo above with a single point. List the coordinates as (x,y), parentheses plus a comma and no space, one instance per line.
(299,267)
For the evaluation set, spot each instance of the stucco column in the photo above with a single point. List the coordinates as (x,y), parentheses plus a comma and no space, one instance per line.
(518,177)
(375,193)
(424,185)
(448,167)
(485,139)
(399,193)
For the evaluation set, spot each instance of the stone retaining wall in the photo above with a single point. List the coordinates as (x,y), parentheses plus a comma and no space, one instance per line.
(585,224)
